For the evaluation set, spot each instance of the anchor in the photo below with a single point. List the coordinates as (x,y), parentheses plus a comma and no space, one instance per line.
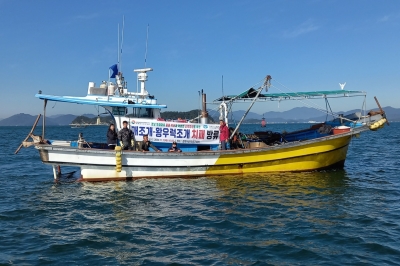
(381,111)
(36,139)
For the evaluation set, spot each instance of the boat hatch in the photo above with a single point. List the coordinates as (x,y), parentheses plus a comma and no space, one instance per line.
(203,147)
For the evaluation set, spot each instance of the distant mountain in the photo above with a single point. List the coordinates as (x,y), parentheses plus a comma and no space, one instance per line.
(54,116)
(393,114)
(237,115)
(67,119)
(89,115)
(92,120)
(298,114)
(28,120)
(24,120)
(183,115)
(295,114)
(64,119)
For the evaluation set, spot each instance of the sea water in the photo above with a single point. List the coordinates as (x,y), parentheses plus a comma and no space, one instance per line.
(348,216)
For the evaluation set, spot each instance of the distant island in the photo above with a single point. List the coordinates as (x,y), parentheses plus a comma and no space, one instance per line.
(101,120)
(295,115)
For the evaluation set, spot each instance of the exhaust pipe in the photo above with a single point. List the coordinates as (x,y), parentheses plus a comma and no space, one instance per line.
(204,113)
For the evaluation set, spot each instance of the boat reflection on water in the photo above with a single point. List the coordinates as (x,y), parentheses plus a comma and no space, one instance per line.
(275,201)
(269,211)
(282,183)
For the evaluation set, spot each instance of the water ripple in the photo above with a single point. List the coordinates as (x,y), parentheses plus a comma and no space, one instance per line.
(348,216)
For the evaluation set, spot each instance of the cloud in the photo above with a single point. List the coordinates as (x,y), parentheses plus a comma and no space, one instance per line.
(13,66)
(87,16)
(384,18)
(304,28)
(215,15)
(393,18)
(78,18)
(173,54)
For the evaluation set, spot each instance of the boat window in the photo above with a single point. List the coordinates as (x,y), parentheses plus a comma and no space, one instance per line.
(118,110)
(140,112)
(132,112)
(147,112)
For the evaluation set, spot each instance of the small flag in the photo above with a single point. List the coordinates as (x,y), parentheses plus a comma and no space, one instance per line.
(114,68)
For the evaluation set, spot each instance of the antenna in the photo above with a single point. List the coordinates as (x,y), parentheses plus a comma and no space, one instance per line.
(223,95)
(342,85)
(118,47)
(147,39)
(122,43)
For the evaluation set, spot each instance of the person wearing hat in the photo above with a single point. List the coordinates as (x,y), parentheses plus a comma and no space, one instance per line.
(223,134)
(174,148)
(126,137)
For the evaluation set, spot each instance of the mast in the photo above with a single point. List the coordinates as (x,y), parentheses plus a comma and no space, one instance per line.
(266,84)
(122,44)
(147,40)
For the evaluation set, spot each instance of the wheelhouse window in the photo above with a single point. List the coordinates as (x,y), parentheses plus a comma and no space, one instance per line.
(140,112)
(119,111)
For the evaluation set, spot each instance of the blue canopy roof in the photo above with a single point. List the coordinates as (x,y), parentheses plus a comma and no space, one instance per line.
(251,93)
(94,101)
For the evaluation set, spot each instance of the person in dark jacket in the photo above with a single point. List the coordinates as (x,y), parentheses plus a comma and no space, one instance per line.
(146,144)
(235,142)
(111,137)
(126,137)
(174,148)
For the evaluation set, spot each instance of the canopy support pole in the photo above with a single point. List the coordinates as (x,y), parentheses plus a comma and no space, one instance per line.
(44,118)
(266,85)
(245,114)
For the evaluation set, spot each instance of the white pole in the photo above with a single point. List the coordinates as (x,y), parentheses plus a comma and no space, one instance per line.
(122,43)
(118,47)
(147,39)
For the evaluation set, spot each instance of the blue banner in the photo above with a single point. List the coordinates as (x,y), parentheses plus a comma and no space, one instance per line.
(114,68)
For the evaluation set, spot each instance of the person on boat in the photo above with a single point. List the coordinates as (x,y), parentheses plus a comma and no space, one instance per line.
(174,148)
(146,145)
(235,143)
(223,134)
(112,137)
(126,137)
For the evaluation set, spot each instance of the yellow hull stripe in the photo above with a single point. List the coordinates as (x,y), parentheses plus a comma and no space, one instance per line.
(307,157)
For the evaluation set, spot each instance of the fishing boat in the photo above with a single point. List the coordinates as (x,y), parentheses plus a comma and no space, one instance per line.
(263,122)
(77,125)
(314,148)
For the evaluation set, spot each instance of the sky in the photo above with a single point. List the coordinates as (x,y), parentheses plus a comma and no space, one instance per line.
(305,45)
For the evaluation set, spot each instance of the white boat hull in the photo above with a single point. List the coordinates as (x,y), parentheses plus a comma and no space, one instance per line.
(100,165)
